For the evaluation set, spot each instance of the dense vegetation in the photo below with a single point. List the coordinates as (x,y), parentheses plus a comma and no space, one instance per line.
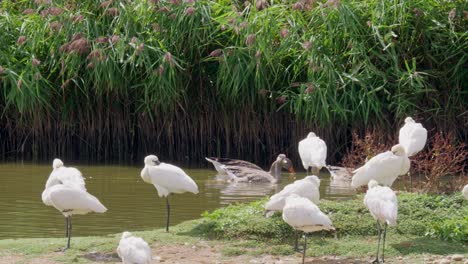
(445,217)
(119,79)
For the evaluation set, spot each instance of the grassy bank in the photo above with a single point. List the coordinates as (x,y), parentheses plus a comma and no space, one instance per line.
(241,231)
(117,79)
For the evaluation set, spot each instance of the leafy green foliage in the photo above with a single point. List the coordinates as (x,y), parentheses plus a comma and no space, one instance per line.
(419,214)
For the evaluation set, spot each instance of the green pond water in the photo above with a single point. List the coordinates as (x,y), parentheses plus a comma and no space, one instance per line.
(132,204)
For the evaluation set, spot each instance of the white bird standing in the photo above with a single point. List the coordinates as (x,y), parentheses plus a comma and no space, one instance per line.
(133,249)
(307,188)
(412,137)
(384,168)
(302,214)
(65,190)
(465,192)
(313,153)
(383,206)
(167,179)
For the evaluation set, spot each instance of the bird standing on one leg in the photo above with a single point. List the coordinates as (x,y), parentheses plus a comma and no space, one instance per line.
(413,137)
(303,215)
(167,179)
(65,190)
(383,206)
(313,153)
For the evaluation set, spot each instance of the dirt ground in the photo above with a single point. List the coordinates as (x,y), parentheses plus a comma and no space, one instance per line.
(204,252)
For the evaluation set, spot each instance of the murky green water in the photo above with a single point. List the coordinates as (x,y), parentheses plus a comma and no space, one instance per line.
(132,204)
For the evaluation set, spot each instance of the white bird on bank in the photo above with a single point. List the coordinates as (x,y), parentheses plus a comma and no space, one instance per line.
(412,137)
(313,153)
(303,215)
(465,192)
(307,188)
(383,168)
(383,206)
(167,179)
(66,192)
(133,249)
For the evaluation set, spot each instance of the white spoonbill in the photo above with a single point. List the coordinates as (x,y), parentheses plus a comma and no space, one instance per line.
(383,206)
(313,153)
(167,179)
(133,249)
(70,200)
(302,214)
(412,137)
(384,168)
(307,188)
(465,191)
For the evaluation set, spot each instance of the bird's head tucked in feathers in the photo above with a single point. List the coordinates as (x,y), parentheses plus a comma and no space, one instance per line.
(126,234)
(57,164)
(398,150)
(311,135)
(152,160)
(372,184)
(409,119)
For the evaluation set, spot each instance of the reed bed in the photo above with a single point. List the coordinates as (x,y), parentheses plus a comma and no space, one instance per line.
(115,80)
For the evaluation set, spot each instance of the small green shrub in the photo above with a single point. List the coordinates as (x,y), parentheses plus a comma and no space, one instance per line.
(419,214)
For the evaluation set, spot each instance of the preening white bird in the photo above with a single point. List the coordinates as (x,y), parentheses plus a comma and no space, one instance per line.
(313,153)
(307,188)
(383,168)
(383,206)
(167,179)
(465,191)
(303,215)
(412,137)
(65,175)
(66,192)
(133,249)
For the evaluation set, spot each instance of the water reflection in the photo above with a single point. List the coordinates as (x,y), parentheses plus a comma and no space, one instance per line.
(132,204)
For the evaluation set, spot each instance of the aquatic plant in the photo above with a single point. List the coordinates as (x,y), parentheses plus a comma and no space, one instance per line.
(119,79)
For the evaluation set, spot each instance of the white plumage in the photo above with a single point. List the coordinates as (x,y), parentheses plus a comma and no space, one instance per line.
(382,203)
(307,188)
(133,249)
(384,168)
(412,137)
(71,201)
(302,214)
(65,175)
(465,191)
(65,190)
(383,206)
(313,152)
(167,179)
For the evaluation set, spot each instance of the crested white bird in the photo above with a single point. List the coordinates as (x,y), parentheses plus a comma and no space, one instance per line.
(303,215)
(65,175)
(133,249)
(307,188)
(383,206)
(384,168)
(167,179)
(465,191)
(66,192)
(412,136)
(313,153)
